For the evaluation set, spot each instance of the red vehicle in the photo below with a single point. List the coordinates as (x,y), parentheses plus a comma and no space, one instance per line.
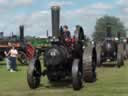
(25,50)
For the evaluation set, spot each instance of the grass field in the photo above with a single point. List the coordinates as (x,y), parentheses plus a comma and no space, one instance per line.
(111,82)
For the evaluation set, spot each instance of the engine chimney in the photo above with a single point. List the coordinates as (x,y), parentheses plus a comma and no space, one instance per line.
(1,34)
(21,32)
(55,11)
(108,30)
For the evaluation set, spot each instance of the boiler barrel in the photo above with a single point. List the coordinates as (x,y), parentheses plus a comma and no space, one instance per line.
(55,11)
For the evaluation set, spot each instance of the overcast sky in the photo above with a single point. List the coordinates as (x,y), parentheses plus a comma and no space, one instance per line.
(35,14)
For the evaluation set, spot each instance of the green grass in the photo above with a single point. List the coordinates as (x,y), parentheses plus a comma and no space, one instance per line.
(111,81)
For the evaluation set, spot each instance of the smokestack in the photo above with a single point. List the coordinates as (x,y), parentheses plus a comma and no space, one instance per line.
(119,34)
(22,32)
(109,30)
(55,11)
(1,34)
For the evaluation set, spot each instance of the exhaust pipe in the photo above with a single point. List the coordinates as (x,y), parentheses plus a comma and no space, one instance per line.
(21,32)
(109,30)
(1,34)
(55,11)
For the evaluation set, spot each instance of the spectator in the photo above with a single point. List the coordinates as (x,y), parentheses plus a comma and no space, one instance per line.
(13,55)
(7,57)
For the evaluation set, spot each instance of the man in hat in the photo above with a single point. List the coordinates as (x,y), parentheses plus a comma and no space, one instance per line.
(66,33)
(79,33)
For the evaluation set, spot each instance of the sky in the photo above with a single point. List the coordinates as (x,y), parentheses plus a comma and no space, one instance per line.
(35,15)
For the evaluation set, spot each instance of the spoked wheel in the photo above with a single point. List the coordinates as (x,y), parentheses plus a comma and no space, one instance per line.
(89,64)
(76,75)
(34,73)
(22,58)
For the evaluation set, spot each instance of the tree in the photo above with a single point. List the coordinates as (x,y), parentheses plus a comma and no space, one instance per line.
(101,25)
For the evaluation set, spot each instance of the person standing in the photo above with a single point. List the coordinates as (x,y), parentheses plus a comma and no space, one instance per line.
(79,38)
(7,57)
(13,55)
(79,33)
(66,33)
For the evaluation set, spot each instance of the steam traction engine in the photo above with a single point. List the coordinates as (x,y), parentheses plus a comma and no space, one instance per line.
(111,49)
(63,60)
(25,50)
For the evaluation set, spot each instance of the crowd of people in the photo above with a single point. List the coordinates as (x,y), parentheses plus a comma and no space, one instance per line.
(11,54)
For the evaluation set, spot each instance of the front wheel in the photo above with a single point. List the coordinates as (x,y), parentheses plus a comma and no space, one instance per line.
(23,58)
(120,60)
(34,74)
(99,62)
(76,75)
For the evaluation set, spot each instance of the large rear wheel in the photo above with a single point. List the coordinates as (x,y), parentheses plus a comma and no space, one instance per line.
(120,56)
(120,60)
(89,64)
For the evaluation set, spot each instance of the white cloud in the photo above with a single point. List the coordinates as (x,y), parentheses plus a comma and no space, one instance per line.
(3,2)
(94,9)
(8,5)
(123,5)
(101,5)
(16,3)
(122,2)
(36,23)
(61,3)
(125,10)
(89,11)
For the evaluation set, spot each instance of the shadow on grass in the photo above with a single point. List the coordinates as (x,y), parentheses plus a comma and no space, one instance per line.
(22,65)
(109,65)
(57,85)
(2,63)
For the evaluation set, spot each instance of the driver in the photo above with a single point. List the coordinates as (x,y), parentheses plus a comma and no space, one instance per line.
(79,33)
(66,33)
